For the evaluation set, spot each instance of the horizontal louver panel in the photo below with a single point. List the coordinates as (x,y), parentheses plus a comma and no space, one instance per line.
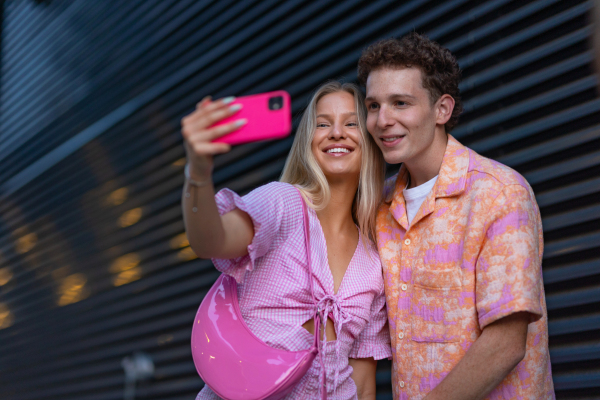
(93,263)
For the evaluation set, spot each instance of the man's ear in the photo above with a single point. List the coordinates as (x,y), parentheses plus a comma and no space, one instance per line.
(445,106)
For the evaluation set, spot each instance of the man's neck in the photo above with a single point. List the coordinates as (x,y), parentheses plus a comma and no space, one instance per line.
(428,165)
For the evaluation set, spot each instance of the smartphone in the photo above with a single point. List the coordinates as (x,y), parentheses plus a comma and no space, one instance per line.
(269,116)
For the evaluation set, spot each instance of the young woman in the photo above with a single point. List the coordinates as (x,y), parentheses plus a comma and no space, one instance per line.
(337,169)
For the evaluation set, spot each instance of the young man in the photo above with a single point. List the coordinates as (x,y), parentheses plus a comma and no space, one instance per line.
(460,239)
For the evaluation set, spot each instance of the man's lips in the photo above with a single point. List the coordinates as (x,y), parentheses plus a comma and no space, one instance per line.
(391,140)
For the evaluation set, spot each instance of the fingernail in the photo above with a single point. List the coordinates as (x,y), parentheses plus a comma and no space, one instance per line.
(228,100)
(235,107)
(241,122)
(204,100)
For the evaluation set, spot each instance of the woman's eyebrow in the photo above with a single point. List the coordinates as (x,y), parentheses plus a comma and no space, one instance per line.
(329,116)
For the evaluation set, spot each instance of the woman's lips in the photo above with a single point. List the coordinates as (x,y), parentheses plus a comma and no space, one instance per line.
(338,150)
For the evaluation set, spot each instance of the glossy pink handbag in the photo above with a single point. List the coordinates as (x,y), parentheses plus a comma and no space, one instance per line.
(235,363)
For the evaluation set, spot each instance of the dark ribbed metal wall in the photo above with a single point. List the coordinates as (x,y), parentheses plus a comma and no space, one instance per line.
(94,264)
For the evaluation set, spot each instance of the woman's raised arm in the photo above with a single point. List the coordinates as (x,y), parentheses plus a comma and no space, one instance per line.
(210,234)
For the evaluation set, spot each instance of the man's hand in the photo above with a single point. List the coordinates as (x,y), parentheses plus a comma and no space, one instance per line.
(490,359)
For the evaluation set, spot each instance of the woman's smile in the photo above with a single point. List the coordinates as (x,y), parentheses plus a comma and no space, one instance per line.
(338,150)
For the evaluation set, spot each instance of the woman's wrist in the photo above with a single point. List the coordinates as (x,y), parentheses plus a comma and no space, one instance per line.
(194,180)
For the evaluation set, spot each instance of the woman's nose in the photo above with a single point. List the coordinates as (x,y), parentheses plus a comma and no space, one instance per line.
(337,132)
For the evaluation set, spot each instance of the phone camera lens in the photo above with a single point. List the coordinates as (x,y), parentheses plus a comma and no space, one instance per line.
(275,103)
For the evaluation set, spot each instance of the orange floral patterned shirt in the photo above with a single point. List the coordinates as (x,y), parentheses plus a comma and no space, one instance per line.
(471,256)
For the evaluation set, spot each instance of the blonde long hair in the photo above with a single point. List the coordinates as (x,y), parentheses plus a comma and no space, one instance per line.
(302,170)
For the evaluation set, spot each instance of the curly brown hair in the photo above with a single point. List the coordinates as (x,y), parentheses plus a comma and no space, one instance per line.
(438,66)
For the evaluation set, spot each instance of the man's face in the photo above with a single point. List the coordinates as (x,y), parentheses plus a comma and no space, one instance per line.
(400,116)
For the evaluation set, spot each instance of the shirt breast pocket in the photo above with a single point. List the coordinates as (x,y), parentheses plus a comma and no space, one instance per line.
(435,313)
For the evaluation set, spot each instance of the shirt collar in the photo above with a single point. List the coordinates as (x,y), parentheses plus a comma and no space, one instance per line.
(452,179)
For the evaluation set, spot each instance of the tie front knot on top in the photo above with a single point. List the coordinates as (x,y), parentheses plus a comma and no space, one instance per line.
(329,305)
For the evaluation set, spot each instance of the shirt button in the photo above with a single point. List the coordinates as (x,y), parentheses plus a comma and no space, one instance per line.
(407,242)
(401,335)
(404,286)
(401,384)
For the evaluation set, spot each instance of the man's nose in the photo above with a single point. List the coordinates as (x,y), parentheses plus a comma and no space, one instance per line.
(384,119)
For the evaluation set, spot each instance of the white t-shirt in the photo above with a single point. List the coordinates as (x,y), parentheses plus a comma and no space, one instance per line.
(414,197)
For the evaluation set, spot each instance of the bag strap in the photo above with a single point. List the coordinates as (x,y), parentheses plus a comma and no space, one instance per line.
(307,244)
(316,317)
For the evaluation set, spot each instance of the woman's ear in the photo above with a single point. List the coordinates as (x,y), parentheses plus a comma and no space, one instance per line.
(445,106)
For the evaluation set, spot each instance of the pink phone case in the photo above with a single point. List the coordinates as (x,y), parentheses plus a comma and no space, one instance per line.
(269,116)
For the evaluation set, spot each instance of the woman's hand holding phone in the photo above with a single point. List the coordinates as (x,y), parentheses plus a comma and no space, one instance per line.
(198,134)
(210,129)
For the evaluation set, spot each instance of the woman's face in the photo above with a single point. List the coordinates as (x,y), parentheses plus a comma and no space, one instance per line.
(336,141)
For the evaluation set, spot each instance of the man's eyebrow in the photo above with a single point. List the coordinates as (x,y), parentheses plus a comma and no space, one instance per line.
(403,95)
(392,96)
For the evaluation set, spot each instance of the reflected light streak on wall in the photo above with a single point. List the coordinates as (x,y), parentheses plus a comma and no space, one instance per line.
(72,289)
(130,217)
(180,163)
(6,317)
(179,241)
(125,262)
(127,276)
(164,339)
(5,276)
(117,196)
(25,243)
(186,254)
(126,268)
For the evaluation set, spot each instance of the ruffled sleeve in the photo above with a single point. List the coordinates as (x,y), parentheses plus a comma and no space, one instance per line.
(274,209)
(374,340)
